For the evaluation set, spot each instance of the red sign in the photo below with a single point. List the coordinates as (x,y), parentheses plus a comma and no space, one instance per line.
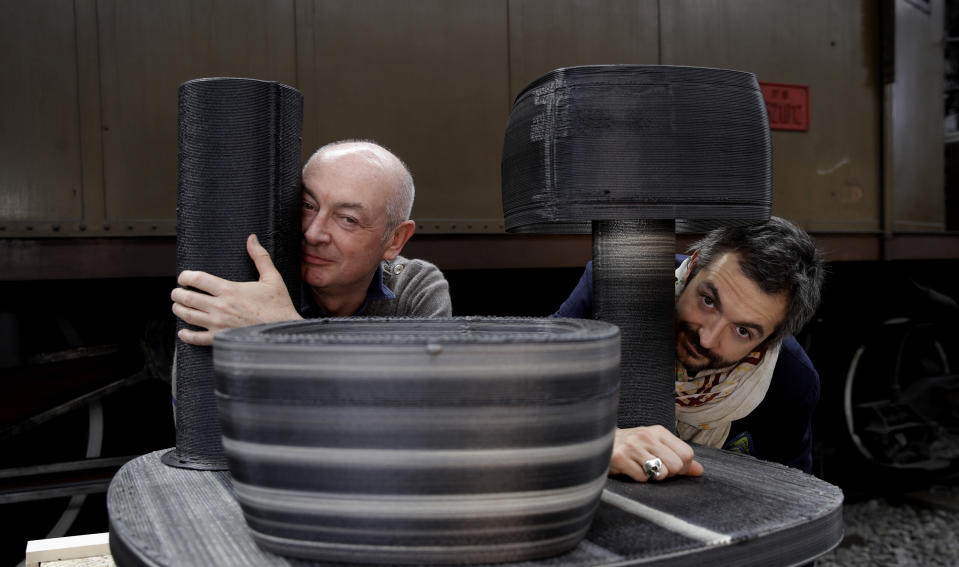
(786,105)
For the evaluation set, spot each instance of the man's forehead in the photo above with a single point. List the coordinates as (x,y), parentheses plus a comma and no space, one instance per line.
(347,184)
(721,263)
(354,151)
(363,166)
(725,276)
(725,271)
(339,200)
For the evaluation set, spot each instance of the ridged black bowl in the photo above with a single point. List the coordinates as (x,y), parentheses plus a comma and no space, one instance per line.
(458,440)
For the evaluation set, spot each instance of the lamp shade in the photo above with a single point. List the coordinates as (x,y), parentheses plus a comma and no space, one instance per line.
(628,142)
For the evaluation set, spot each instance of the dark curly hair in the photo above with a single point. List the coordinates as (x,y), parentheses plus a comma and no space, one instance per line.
(779,257)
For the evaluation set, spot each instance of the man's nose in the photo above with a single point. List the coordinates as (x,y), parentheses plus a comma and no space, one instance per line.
(709,334)
(315,231)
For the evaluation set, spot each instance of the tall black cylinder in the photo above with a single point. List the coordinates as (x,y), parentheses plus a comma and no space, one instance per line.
(238,173)
(633,289)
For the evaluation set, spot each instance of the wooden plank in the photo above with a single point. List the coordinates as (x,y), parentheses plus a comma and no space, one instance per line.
(96,561)
(42,551)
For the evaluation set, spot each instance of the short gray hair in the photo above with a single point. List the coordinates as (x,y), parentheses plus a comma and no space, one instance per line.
(399,204)
(779,256)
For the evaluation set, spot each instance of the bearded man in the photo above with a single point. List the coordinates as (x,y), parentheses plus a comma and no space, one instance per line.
(743,382)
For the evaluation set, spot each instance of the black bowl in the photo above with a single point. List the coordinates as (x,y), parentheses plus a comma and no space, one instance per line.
(457,440)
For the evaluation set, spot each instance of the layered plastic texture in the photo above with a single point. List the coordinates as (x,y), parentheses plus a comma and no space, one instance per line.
(457,440)
(630,142)
(238,173)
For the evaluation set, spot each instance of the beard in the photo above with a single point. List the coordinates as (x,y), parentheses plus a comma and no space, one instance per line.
(692,355)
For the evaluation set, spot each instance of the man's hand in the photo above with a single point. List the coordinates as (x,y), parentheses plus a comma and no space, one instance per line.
(232,304)
(634,446)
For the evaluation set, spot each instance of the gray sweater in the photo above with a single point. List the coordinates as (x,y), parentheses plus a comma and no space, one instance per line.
(420,289)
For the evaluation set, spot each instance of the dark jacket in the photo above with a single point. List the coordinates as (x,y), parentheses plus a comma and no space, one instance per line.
(780,428)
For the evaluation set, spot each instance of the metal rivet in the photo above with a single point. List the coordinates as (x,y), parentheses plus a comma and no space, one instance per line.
(397,268)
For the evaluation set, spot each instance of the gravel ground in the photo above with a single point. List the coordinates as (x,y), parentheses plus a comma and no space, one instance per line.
(880,532)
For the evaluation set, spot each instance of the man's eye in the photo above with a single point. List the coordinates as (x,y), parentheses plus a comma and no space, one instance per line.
(308,206)
(350,220)
(707,301)
(743,332)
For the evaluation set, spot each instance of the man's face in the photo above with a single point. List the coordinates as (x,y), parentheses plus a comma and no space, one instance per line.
(344,219)
(722,315)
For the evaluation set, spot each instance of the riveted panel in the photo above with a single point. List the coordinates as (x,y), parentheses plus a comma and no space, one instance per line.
(549,34)
(426,78)
(915,144)
(40,172)
(828,177)
(147,49)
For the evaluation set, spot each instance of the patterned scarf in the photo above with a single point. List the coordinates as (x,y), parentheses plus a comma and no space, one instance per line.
(708,402)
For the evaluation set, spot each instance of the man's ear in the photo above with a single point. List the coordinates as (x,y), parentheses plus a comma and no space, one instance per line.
(401,234)
(692,262)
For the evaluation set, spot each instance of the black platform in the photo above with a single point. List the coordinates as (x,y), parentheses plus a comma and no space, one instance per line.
(741,512)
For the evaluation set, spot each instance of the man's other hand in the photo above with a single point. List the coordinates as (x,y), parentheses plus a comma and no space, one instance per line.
(227,304)
(634,446)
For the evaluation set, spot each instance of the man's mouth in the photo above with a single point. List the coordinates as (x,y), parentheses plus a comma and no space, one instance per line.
(316,260)
(690,347)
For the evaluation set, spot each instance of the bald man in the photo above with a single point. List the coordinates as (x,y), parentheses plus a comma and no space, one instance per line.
(357,198)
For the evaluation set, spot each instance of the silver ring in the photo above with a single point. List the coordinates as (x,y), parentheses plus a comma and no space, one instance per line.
(653,468)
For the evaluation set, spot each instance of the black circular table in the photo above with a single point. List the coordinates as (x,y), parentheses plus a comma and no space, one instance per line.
(742,512)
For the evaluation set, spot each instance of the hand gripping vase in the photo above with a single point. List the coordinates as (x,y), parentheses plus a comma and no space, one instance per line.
(457,440)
